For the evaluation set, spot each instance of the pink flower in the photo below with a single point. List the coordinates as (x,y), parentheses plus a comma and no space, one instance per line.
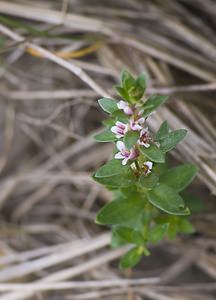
(119,129)
(136,125)
(125,107)
(145,139)
(124,153)
(147,167)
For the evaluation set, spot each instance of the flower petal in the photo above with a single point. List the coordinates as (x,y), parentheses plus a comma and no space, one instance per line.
(114,129)
(120,146)
(119,156)
(133,153)
(141,120)
(149,164)
(136,127)
(122,104)
(128,111)
(144,131)
(124,162)
(121,125)
(125,107)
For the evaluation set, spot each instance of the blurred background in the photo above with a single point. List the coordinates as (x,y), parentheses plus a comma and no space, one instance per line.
(56,59)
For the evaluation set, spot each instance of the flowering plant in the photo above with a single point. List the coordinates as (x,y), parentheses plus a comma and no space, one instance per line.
(148,203)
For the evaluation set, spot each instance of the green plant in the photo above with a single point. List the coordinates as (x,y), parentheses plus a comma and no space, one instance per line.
(148,204)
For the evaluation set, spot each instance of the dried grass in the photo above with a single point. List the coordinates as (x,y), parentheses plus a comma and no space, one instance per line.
(48,115)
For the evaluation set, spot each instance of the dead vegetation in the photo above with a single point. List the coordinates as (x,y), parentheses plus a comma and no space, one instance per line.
(57,58)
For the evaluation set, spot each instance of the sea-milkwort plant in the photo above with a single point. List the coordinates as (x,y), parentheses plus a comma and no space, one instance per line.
(147,203)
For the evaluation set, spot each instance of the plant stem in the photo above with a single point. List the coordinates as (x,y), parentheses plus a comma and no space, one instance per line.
(137,165)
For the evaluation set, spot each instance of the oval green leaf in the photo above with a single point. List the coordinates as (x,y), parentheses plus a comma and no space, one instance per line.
(179,177)
(162,131)
(127,80)
(153,103)
(130,235)
(166,199)
(130,138)
(157,233)
(108,105)
(186,227)
(120,211)
(105,136)
(111,168)
(122,93)
(116,181)
(149,181)
(131,258)
(172,139)
(153,153)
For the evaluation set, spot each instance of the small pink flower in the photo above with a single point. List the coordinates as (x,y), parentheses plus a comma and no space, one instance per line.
(145,139)
(136,125)
(119,129)
(125,107)
(124,153)
(147,167)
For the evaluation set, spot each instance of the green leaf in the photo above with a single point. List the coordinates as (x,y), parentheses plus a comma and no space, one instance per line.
(179,177)
(120,211)
(123,93)
(109,123)
(159,169)
(129,191)
(116,239)
(157,233)
(149,181)
(194,204)
(172,139)
(153,153)
(129,235)
(136,223)
(111,168)
(131,258)
(185,226)
(166,199)
(163,131)
(136,92)
(153,103)
(121,116)
(141,82)
(108,105)
(172,230)
(163,219)
(105,136)
(117,181)
(127,80)
(131,89)
(130,138)
(146,252)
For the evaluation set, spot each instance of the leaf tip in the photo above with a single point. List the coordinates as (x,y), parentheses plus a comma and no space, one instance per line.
(97,220)
(186,211)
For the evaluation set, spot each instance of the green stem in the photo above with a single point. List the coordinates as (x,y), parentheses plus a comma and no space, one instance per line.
(137,165)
